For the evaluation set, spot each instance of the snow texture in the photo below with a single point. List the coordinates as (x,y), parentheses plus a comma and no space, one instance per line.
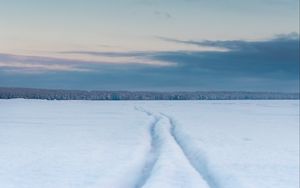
(149,144)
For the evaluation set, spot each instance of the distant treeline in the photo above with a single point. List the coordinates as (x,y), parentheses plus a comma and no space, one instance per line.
(49,94)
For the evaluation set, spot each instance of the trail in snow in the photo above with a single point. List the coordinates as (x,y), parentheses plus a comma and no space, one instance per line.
(169,164)
(196,159)
(153,153)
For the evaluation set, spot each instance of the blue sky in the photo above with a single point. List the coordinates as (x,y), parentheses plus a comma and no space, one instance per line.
(150,44)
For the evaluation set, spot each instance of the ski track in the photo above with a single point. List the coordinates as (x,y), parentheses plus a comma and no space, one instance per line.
(197,163)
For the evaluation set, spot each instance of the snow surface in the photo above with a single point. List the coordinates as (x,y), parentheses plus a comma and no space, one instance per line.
(150,144)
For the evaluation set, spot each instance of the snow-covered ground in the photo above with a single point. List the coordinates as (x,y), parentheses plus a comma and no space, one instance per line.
(151,144)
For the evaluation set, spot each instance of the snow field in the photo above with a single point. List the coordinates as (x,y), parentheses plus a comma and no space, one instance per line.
(149,144)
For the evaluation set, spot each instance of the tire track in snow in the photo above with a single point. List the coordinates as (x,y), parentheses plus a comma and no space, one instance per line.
(198,162)
(153,153)
(171,168)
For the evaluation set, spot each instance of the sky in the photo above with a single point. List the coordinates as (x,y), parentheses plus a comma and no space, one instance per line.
(161,45)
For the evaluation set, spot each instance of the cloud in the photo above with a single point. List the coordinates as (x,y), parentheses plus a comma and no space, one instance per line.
(109,54)
(136,57)
(271,64)
(41,64)
(265,65)
(254,65)
(278,42)
(34,64)
(267,58)
(162,14)
(278,55)
(34,67)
